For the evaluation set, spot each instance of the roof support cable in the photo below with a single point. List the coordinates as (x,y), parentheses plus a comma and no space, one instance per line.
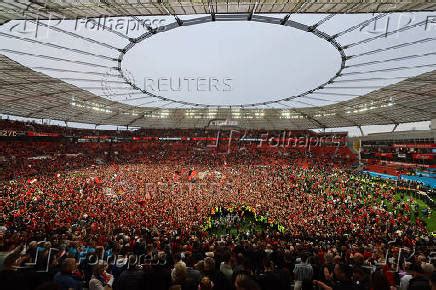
(91,80)
(150,102)
(322,21)
(211,10)
(319,99)
(398,46)
(58,46)
(362,24)
(53,81)
(390,69)
(178,20)
(123,94)
(250,15)
(353,88)
(75,71)
(47,57)
(413,56)
(335,94)
(37,96)
(137,98)
(72,34)
(103,88)
(367,40)
(296,10)
(371,79)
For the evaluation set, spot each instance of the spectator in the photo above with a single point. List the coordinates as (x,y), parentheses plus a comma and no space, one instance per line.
(245,282)
(303,271)
(360,278)
(205,284)
(328,270)
(179,274)
(269,279)
(64,278)
(428,269)
(100,279)
(433,281)
(10,278)
(419,280)
(343,281)
(379,281)
(130,279)
(404,281)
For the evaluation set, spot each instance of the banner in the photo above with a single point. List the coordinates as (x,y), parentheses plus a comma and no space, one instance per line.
(42,134)
(414,145)
(220,123)
(428,156)
(357,145)
(387,155)
(96,137)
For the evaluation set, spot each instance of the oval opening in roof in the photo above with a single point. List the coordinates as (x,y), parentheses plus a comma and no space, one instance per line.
(231,64)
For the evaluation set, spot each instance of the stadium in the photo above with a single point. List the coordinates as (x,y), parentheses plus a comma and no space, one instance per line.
(225,145)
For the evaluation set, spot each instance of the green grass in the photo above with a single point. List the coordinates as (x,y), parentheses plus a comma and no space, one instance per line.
(430,220)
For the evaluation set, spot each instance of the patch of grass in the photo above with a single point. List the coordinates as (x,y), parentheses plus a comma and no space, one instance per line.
(431,223)
(430,220)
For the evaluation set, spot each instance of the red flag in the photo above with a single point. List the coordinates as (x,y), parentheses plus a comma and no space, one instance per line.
(193,175)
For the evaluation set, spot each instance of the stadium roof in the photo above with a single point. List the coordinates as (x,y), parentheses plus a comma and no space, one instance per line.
(91,8)
(24,92)
(30,93)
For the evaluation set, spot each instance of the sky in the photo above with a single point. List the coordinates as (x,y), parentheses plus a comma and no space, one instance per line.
(226,63)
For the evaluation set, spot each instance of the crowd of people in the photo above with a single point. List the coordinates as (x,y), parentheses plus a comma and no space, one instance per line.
(139,220)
